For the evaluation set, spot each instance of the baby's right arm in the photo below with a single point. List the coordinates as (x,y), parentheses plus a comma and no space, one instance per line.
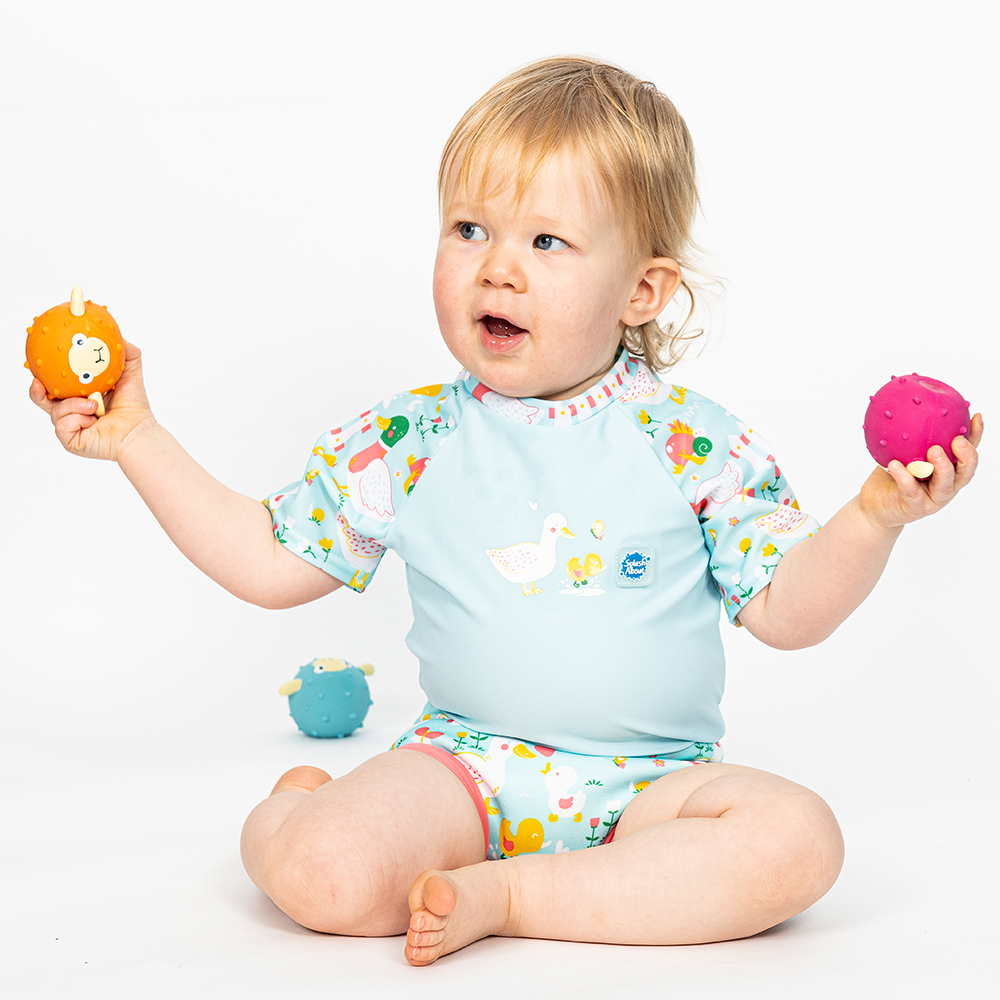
(225,534)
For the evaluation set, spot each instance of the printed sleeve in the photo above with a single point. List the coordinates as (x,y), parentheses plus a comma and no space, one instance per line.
(727,472)
(339,515)
(748,512)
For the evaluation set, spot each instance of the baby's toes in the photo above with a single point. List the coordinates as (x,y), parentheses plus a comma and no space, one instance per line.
(423,921)
(426,951)
(424,938)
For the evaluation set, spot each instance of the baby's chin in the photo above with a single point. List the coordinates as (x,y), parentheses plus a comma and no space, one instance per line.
(515,377)
(508,379)
(520,389)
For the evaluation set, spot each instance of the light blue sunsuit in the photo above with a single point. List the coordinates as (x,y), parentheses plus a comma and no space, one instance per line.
(565,562)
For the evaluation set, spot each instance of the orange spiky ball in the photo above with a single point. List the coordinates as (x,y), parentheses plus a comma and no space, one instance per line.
(76,349)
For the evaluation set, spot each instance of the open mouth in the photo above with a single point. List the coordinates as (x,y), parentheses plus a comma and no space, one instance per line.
(499,335)
(500,327)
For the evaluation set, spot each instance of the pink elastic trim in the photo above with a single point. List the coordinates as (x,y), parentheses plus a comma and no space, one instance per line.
(462,773)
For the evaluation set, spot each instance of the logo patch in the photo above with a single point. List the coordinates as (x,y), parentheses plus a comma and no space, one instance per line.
(634,566)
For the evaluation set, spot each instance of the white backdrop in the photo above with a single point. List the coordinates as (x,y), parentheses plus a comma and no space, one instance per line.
(249,187)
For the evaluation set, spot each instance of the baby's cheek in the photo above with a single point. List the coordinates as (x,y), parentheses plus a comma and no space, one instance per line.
(447,300)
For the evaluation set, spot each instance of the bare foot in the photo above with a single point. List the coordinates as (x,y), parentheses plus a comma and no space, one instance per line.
(304,778)
(449,910)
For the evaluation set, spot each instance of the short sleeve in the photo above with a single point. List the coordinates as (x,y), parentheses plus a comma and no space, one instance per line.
(727,472)
(356,482)
(310,517)
(748,512)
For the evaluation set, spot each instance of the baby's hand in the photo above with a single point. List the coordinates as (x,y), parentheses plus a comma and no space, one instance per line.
(893,498)
(81,431)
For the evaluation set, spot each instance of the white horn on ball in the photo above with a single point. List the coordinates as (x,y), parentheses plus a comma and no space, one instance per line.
(76,306)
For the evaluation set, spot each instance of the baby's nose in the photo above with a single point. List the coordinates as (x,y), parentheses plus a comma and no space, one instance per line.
(502,269)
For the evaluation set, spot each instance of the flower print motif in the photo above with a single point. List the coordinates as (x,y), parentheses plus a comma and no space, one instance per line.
(648,423)
(770,489)
(770,550)
(614,810)
(426,732)
(746,545)
(593,836)
(326,544)
(733,521)
(317,515)
(434,425)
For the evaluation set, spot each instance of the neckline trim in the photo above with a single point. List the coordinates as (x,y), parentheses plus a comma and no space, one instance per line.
(559,412)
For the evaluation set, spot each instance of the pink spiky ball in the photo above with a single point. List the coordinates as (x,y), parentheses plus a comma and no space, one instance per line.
(911,413)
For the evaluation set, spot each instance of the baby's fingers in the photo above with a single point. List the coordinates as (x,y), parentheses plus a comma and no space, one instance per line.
(976,431)
(914,494)
(966,454)
(940,487)
(38,395)
(70,418)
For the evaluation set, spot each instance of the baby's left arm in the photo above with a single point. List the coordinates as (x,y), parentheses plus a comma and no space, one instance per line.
(824,578)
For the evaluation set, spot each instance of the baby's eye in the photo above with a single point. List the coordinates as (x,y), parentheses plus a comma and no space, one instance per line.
(547,242)
(470,231)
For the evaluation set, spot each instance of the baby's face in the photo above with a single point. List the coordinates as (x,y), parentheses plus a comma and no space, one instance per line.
(532,296)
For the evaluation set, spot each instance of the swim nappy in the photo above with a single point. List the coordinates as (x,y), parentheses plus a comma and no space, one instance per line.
(535,799)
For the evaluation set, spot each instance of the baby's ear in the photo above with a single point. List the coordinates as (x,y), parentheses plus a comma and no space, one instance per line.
(655,289)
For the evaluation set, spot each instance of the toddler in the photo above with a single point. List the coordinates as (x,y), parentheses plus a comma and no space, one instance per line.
(560,511)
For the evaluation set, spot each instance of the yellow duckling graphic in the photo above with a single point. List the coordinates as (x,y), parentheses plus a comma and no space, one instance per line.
(580,572)
(528,839)
(330,460)
(527,562)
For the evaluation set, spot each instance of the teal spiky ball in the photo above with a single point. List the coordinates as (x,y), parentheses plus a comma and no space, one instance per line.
(329,697)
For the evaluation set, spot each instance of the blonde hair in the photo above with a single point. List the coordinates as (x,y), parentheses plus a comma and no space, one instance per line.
(637,142)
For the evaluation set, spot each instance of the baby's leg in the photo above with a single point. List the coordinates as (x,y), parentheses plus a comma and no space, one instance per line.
(707,853)
(339,855)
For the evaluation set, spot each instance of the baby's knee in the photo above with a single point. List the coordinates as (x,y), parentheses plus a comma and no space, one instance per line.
(803,852)
(323,882)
